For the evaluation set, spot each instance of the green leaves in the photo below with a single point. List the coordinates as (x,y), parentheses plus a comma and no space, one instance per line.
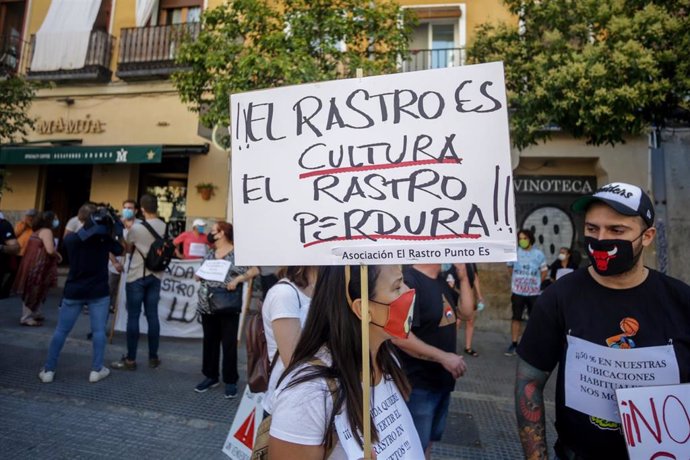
(254,44)
(599,69)
(15,98)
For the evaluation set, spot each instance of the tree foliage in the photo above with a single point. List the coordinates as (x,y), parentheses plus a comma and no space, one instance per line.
(598,69)
(16,95)
(254,44)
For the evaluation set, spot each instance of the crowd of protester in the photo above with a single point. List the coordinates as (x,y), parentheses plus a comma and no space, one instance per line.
(312,322)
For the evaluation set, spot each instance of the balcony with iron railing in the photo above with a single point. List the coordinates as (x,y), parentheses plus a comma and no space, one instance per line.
(150,52)
(423,59)
(96,67)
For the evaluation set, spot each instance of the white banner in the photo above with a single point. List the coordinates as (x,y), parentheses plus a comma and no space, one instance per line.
(594,372)
(656,421)
(177,305)
(240,440)
(405,168)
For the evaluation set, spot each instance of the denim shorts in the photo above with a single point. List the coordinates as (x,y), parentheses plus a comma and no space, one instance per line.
(429,411)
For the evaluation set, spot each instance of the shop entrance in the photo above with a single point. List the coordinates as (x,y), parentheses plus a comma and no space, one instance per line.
(168,182)
(67,188)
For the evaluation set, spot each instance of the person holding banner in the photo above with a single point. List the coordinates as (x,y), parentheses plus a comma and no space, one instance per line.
(310,422)
(429,359)
(220,327)
(284,313)
(615,324)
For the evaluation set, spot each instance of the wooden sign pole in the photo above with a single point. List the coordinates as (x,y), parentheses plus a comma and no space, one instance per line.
(366,375)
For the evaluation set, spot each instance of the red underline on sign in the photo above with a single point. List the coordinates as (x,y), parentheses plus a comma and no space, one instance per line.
(397,237)
(403,164)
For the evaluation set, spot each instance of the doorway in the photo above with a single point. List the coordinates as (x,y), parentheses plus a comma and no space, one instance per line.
(67,188)
(167,181)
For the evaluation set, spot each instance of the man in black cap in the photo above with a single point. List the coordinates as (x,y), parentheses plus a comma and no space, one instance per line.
(612,325)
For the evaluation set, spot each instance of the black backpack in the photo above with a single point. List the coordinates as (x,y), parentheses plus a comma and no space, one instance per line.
(161,252)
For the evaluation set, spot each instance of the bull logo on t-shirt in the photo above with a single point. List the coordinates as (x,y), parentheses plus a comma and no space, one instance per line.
(602,258)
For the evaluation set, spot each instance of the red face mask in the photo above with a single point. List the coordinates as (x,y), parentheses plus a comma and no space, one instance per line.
(399,315)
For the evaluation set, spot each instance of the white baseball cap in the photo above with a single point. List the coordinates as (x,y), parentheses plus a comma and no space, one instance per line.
(627,199)
(199,223)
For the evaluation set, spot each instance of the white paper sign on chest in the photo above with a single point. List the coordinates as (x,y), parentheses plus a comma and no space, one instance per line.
(214,270)
(405,168)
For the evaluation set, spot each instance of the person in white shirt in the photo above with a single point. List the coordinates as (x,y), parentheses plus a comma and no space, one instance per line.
(284,312)
(317,407)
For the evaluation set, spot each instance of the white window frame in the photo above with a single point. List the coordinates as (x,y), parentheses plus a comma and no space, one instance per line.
(459,31)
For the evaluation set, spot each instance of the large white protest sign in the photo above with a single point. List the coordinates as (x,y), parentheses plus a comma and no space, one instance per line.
(406,168)
(656,421)
(177,307)
(594,372)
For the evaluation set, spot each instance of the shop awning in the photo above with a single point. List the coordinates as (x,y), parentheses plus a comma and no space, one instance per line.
(102,154)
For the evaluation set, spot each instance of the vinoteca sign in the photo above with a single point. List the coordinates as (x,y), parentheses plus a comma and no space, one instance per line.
(405,168)
(579,185)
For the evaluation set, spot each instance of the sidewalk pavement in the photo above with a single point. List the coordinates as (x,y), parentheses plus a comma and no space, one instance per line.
(155,414)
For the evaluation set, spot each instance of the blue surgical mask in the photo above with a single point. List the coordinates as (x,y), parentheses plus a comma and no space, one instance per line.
(200,228)
(445,267)
(128,214)
(56,223)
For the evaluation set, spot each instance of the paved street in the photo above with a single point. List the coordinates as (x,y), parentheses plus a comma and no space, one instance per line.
(154,413)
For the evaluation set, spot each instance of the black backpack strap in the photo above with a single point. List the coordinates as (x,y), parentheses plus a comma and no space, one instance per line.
(152,231)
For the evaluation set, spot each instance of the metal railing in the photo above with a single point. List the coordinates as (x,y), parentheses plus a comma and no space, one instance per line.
(11,48)
(423,59)
(157,44)
(97,62)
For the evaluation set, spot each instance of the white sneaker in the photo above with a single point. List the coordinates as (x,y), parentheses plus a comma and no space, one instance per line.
(46,376)
(100,375)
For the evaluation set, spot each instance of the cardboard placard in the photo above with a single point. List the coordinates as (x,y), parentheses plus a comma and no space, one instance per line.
(656,421)
(405,168)
(240,440)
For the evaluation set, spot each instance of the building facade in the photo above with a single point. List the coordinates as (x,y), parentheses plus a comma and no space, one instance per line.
(111,126)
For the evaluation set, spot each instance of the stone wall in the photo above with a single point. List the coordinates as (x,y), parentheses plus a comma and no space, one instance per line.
(676,146)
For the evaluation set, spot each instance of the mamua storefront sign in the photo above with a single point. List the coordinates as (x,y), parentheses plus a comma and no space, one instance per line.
(86,125)
(404,168)
(81,154)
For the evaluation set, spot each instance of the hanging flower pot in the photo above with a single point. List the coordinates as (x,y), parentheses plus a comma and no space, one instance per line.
(206,190)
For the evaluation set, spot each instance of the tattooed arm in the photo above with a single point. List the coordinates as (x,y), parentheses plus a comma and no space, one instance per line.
(529,410)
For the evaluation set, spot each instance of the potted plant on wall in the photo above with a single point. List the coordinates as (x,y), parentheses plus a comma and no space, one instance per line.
(206,190)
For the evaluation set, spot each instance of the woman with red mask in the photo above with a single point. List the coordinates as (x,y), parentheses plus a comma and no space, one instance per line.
(317,407)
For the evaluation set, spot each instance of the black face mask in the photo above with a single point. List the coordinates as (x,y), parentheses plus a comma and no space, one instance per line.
(611,257)
(211,238)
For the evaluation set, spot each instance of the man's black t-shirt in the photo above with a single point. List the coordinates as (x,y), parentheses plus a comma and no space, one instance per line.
(657,312)
(433,322)
(6,234)
(88,266)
